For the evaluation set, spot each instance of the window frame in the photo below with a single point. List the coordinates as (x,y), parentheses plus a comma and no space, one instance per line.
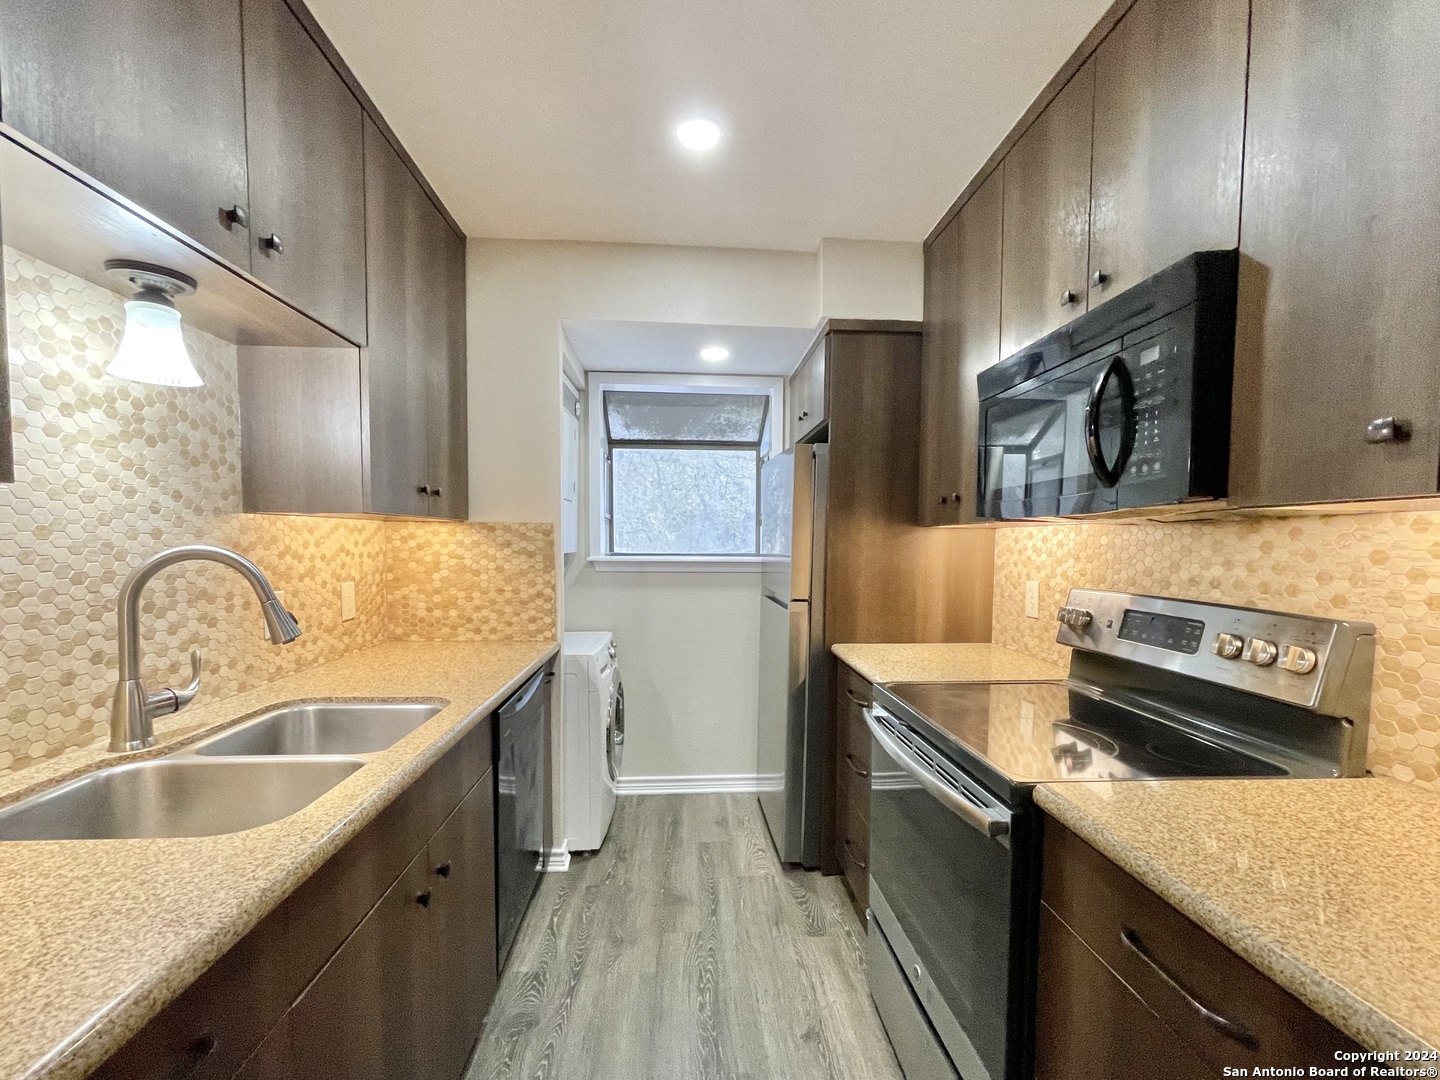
(601,524)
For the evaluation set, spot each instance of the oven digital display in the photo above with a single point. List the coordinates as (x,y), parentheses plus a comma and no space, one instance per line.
(1162,631)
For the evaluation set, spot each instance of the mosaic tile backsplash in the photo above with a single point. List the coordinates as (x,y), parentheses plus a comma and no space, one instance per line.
(108,472)
(1382,568)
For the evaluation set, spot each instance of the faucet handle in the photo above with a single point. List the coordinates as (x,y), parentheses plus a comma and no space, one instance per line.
(186,695)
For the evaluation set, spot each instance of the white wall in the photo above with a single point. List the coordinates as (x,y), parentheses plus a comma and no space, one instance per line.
(871,279)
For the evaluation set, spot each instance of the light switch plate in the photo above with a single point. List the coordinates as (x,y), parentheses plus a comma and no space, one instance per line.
(1032,599)
(1027,719)
(347,601)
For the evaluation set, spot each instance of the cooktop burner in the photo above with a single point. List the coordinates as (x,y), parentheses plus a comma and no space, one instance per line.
(1042,732)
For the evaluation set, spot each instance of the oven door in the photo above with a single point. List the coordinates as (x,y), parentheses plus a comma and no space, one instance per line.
(942,887)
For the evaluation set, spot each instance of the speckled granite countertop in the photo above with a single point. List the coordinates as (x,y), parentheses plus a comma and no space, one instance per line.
(1327,886)
(944,663)
(97,936)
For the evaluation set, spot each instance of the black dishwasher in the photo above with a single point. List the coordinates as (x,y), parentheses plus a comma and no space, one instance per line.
(520,734)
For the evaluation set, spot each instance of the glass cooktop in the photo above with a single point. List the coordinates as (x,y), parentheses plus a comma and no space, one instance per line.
(1042,732)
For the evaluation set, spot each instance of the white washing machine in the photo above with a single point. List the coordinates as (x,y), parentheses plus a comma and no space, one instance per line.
(594,736)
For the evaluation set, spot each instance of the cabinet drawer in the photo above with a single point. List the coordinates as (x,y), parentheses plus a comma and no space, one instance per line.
(852,848)
(212,1028)
(1089,1023)
(1221,1007)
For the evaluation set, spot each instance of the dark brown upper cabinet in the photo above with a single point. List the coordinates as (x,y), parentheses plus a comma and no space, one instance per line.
(146,96)
(1047,217)
(1337,385)
(962,338)
(413,373)
(449,448)
(1169,133)
(307,171)
(808,393)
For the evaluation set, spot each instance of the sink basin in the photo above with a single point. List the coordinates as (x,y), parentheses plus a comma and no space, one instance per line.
(170,797)
(330,727)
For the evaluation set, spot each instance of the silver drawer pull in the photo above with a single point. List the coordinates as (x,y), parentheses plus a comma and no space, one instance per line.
(1224,1025)
(864,774)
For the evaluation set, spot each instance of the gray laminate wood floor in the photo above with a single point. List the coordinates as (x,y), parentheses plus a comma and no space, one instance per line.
(682,951)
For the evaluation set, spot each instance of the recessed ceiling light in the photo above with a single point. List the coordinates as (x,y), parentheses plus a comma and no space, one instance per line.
(699,134)
(715,353)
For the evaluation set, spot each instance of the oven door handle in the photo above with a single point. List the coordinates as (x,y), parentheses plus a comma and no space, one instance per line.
(993,823)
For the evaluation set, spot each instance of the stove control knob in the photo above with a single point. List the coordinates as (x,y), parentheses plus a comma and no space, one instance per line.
(1298,659)
(1228,646)
(1260,652)
(1074,617)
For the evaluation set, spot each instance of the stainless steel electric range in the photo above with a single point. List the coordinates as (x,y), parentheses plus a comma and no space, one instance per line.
(1157,688)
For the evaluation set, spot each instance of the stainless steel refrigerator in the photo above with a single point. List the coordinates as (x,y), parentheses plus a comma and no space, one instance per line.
(792,716)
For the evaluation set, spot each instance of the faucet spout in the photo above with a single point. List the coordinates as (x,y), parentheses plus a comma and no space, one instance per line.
(135,708)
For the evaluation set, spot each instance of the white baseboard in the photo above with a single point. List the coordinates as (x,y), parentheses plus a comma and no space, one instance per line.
(715,783)
(557,859)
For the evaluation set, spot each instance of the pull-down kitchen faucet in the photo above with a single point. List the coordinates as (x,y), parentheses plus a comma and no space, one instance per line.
(135,708)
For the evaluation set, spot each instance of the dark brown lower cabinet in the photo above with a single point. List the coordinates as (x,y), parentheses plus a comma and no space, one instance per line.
(380,967)
(1131,988)
(852,785)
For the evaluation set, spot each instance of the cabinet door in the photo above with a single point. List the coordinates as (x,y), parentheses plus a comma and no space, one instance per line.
(1338,323)
(462,864)
(367,1014)
(1169,131)
(307,171)
(807,393)
(1047,218)
(396,377)
(147,96)
(962,338)
(444,350)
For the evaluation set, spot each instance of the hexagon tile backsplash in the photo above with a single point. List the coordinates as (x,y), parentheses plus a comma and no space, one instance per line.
(108,472)
(1382,568)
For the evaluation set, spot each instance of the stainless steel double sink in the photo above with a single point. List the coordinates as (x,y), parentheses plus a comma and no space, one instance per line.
(250,775)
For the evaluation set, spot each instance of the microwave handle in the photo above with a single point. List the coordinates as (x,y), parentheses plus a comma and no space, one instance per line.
(993,823)
(1115,368)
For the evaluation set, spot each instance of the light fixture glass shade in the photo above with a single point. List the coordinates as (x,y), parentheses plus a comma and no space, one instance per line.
(152,349)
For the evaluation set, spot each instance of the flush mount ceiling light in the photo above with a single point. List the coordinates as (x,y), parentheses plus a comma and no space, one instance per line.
(152,349)
(698,133)
(715,353)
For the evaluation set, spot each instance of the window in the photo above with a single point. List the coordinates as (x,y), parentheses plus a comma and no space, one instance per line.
(679,467)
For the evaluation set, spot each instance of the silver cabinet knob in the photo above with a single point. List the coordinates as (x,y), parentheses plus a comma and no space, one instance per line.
(1297,659)
(1260,652)
(1073,617)
(1098,278)
(1067,298)
(423,489)
(803,415)
(273,243)
(918,972)
(1385,429)
(1228,646)
(236,215)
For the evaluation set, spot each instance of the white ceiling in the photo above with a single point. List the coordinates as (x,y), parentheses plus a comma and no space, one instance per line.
(554,119)
(612,345)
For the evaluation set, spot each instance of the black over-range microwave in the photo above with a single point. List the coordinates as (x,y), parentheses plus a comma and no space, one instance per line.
(1128,406)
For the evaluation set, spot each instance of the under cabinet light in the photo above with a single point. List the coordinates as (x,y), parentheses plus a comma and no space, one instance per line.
(152,349)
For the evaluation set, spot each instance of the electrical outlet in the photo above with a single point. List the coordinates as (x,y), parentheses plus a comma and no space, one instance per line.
(279,595)
(347,601)
(1032,599)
